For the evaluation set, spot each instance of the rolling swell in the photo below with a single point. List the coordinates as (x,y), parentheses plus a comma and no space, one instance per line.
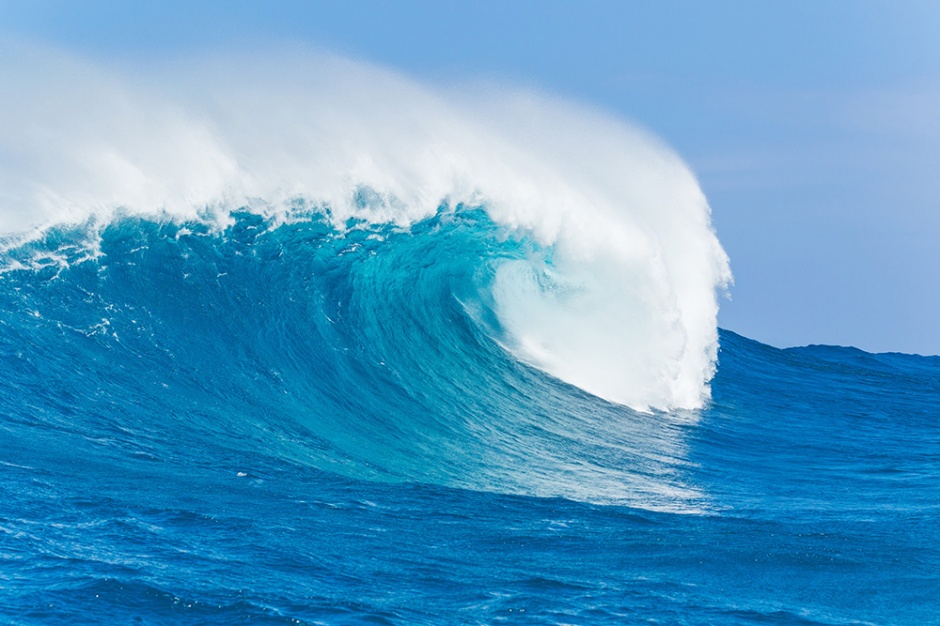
(372,351)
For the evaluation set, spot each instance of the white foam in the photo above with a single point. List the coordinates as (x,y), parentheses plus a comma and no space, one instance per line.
(627,307)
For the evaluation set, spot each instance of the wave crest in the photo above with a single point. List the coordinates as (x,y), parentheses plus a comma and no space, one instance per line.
(620,298)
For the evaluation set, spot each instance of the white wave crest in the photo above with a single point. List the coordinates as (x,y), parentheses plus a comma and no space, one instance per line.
(626,307)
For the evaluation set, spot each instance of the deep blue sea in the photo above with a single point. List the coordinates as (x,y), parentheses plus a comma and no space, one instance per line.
(283,422)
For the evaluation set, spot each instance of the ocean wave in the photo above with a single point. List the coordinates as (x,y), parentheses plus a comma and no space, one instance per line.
(378,352)
(619,298)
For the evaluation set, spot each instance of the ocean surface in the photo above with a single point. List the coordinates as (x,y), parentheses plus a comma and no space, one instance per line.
(304,421)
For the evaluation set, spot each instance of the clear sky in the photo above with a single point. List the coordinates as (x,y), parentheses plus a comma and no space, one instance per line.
(814,127)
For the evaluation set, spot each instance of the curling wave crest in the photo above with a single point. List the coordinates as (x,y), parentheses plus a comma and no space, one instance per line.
(617,293)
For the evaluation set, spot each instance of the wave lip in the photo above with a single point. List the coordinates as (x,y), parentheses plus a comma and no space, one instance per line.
(619,298)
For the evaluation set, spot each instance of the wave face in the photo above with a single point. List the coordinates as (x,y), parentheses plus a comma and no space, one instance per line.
(325,346)
(382,350)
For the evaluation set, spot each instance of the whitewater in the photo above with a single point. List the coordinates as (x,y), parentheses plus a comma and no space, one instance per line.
(296,339)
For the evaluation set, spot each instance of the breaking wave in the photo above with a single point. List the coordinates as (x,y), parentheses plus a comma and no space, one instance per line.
(616,290)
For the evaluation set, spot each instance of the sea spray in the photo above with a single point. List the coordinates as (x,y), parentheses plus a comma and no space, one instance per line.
(622,304)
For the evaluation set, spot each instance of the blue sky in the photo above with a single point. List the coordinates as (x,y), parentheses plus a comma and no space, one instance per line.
(814,127)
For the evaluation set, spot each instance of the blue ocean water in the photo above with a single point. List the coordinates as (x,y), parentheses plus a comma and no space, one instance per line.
(290,422)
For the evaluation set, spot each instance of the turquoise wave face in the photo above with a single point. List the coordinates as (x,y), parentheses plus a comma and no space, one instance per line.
(374,352)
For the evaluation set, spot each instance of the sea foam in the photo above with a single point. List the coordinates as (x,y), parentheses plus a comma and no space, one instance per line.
(623,304)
